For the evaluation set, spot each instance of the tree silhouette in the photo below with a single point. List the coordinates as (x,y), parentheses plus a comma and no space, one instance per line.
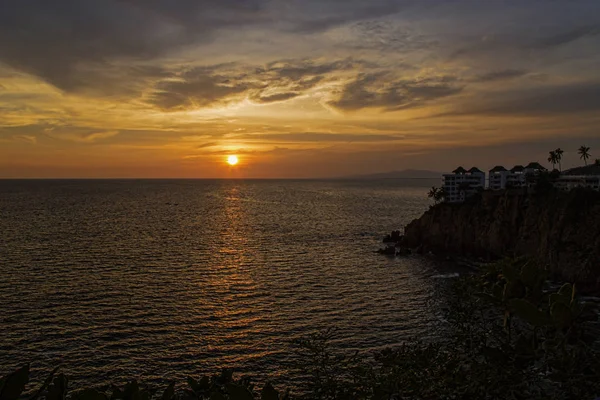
(559,152)
(432,192)
(584,153)
(553,159)
(437,194)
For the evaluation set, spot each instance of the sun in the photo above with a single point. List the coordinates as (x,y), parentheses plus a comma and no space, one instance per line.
(232,160)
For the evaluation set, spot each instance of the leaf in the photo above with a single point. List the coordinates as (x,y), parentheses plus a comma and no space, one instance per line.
(530,275)
(117,393)
(510,272)
(528,312)
(58,389)
(269,393)
(131,391)
(44,385)
(561,314)
(193,384)
(557,298)
(226,375)
(89,394)
(237,392)
(514,290)
(14,384)
(169,392)
(217,396)
(567,290)
(204,383)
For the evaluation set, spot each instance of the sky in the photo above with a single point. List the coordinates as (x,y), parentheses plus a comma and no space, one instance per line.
(294,88)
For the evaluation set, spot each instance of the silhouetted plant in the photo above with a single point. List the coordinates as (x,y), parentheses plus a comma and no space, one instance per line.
(584,153)
(217,387)
(559,152)
(437,194)
(552,158)
(505,335)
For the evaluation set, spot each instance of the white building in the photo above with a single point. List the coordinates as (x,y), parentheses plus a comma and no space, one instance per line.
(498,177)
(534,168)
(581,177)
(568,182)
(461,184)
(516,177)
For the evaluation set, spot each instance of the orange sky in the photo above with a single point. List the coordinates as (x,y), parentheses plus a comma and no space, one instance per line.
(296,89)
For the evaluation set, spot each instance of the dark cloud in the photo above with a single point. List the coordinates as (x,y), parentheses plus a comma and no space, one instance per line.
(206,145)
(568,36)
(77,44)
(379,90)
(541,101)
(500,75)
(275,97)
(71,43)
(318,15)
(219,84)
(196,89)
(298,137)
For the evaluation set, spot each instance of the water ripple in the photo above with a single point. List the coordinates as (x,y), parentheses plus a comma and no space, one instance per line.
(161,279)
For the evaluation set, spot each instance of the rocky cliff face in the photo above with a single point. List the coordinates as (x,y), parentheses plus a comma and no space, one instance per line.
(561,230)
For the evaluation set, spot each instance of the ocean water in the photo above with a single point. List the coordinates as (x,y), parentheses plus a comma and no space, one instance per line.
(158,280)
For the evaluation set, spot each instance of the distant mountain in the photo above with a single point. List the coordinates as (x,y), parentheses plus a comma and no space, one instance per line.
(405,174)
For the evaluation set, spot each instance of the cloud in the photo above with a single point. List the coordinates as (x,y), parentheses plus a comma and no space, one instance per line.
(25,138)
(318,15)
(542,101)
(500,75)
(197,89)
(92,137)
(76,134)
(379,90)
(299,137)
(206,145)
(216,85)
(567,37)
(275,97)
(71,44)
(80,45)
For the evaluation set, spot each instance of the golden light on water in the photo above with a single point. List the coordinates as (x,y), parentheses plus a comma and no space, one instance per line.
(232,160)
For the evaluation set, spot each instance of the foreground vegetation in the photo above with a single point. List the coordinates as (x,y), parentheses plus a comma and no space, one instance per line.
(506,335)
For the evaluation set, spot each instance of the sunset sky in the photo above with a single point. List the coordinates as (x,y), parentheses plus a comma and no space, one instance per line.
(294,88)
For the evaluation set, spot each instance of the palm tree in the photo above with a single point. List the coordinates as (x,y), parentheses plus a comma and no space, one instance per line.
(559,152)
(584,153)
(433,193)
(440,195)
(553,159)
(437,194)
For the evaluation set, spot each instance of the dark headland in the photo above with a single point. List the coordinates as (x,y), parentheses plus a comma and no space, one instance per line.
(560,230)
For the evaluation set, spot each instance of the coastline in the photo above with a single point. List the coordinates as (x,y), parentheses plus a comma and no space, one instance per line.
(558,230)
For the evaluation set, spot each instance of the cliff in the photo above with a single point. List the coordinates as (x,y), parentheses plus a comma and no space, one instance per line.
(560,229)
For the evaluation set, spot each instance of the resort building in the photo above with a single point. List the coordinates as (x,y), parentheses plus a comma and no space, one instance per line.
(581,177)
(519,176)
(461,184)
(497,178)
(534,168)
(516,177)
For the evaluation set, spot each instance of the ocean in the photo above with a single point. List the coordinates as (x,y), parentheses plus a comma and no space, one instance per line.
(163,279)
